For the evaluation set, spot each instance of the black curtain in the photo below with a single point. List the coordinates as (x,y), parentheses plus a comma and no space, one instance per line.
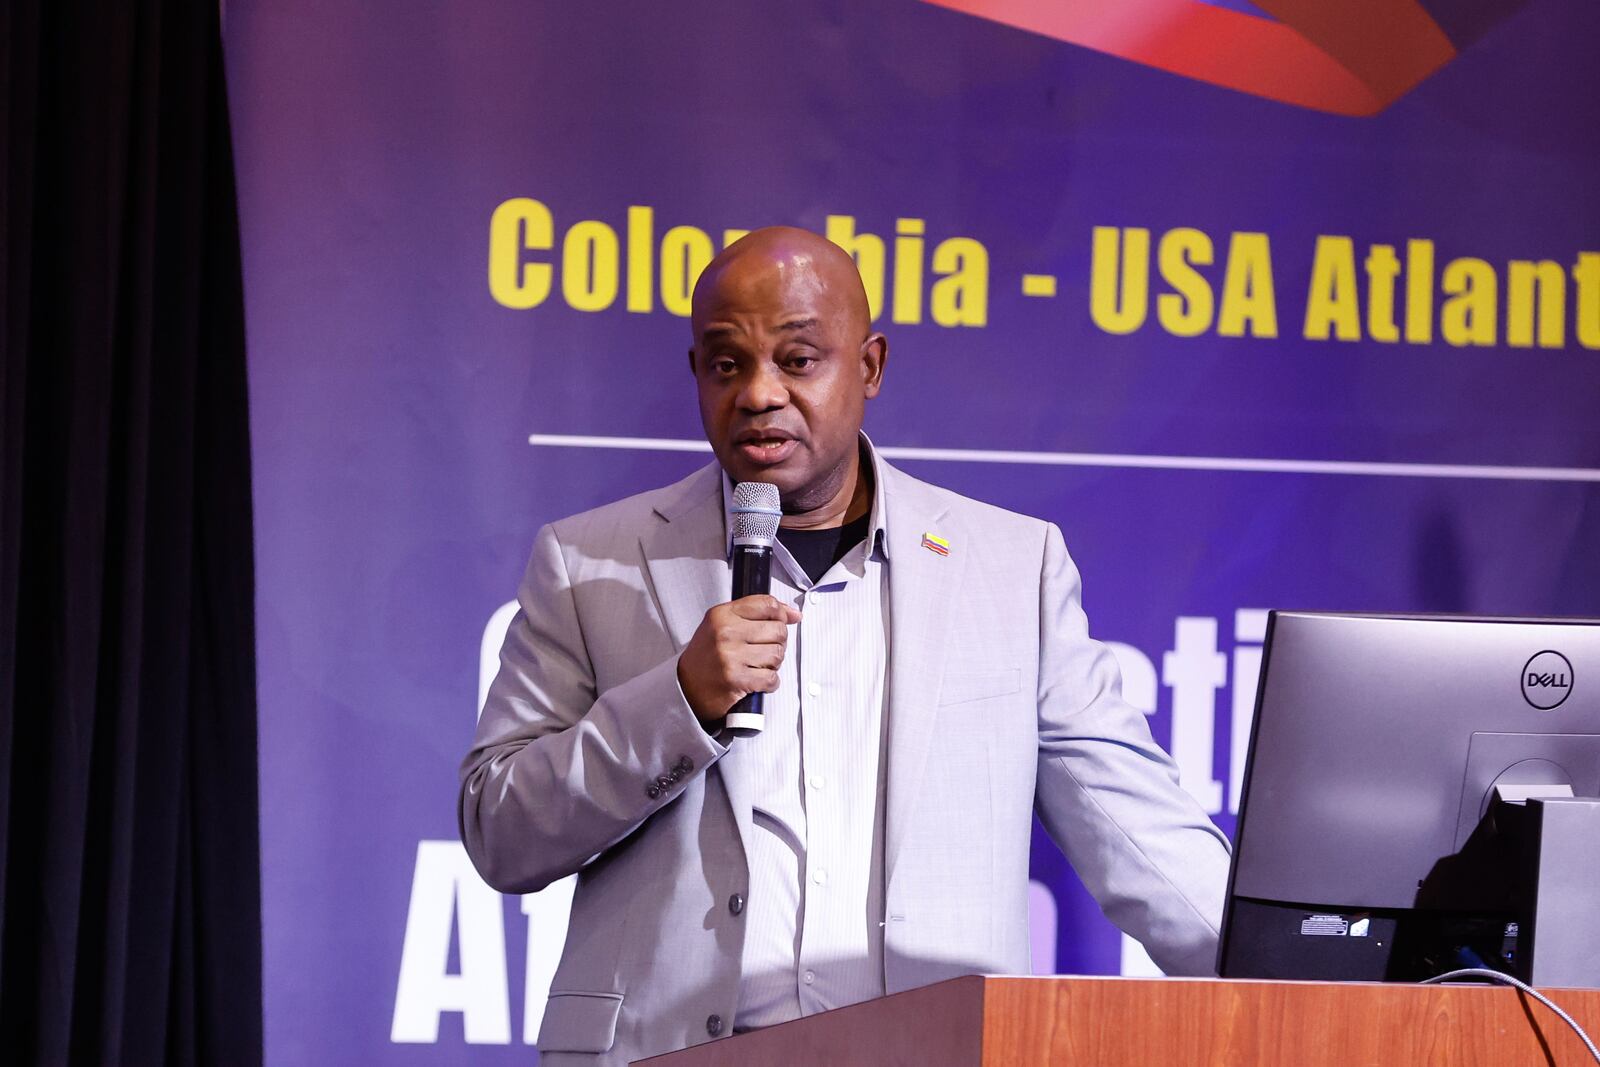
(129,850)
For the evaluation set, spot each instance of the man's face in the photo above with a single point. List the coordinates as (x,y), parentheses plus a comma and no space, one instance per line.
(784,369)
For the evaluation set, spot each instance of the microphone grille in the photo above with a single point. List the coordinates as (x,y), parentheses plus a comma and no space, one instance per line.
(755,512)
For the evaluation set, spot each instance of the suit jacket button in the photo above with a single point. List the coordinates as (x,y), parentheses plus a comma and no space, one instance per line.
(714,1025)
(652,790)
(685,765)
(736,903)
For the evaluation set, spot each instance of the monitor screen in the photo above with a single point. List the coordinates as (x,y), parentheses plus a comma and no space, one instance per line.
(1363,850)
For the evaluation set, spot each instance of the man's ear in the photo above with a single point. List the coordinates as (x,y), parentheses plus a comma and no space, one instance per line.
(691,361)
(874,355)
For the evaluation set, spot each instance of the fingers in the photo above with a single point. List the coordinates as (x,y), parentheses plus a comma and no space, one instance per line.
(763,657)
(736,636)
(765,633)
(759,680)
(763,607)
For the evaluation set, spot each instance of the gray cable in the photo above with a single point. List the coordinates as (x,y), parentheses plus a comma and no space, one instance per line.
(1496,976)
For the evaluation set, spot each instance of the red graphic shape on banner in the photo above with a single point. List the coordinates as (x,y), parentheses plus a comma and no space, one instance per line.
(1348,57)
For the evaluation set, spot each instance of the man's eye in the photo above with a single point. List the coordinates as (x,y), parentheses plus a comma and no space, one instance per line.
(801,362)
(724,366)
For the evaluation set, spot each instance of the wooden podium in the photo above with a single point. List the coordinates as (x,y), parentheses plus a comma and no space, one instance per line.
(1170,1022)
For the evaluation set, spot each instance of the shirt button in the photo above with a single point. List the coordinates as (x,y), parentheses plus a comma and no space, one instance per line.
(736,903)
(814,689)
(819,876)
(714,1025)
(817,781)
(810,976)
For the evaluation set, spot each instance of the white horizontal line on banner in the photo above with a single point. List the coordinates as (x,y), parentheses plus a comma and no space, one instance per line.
(1098,459)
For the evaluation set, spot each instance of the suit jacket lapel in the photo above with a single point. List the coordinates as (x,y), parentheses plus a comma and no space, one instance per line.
(924,588)
(686,558)
(686,554)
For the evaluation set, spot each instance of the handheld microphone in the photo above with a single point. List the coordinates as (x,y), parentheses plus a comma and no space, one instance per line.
(755,526)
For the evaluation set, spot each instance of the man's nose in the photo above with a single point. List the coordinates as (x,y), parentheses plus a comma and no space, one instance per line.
(764,389)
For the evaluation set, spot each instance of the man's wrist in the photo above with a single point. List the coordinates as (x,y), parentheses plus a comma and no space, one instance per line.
(712,726)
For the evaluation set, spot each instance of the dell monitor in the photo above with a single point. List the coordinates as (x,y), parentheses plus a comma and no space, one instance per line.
(1378,835)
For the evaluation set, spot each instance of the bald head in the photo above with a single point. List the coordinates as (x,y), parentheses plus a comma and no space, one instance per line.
(784,360)
(777,257)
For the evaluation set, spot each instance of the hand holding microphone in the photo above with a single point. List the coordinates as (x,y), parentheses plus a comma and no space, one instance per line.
(735,652)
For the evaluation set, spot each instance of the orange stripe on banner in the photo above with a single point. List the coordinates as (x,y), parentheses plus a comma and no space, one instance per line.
(1349,57)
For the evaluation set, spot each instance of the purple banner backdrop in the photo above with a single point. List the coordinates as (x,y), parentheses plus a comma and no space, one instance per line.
(1247,354)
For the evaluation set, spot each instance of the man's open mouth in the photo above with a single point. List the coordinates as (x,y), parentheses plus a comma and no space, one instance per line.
(766,448)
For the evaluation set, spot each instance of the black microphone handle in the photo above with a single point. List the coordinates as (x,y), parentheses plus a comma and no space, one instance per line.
(752,574)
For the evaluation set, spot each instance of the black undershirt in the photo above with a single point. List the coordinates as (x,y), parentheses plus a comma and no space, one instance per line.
(818,550)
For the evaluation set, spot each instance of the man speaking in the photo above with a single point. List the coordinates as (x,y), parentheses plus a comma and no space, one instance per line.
(929,683)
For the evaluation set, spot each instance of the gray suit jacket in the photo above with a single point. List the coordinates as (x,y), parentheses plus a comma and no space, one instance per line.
(588,759)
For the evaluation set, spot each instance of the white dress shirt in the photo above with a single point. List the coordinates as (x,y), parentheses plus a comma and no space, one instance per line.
(814,913)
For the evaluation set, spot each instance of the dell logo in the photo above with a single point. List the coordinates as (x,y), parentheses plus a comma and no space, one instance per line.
(1547,680)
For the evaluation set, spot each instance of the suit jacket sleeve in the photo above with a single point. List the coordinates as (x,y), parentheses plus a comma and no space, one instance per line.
(1109,795)
(558,773)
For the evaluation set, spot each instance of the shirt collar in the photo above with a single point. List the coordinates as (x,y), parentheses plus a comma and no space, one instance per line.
(877,531)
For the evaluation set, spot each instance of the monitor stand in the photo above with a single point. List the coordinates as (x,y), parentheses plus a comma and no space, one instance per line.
(1557,842)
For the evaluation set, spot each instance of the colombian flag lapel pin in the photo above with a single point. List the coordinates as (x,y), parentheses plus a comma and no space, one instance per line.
(936,544)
